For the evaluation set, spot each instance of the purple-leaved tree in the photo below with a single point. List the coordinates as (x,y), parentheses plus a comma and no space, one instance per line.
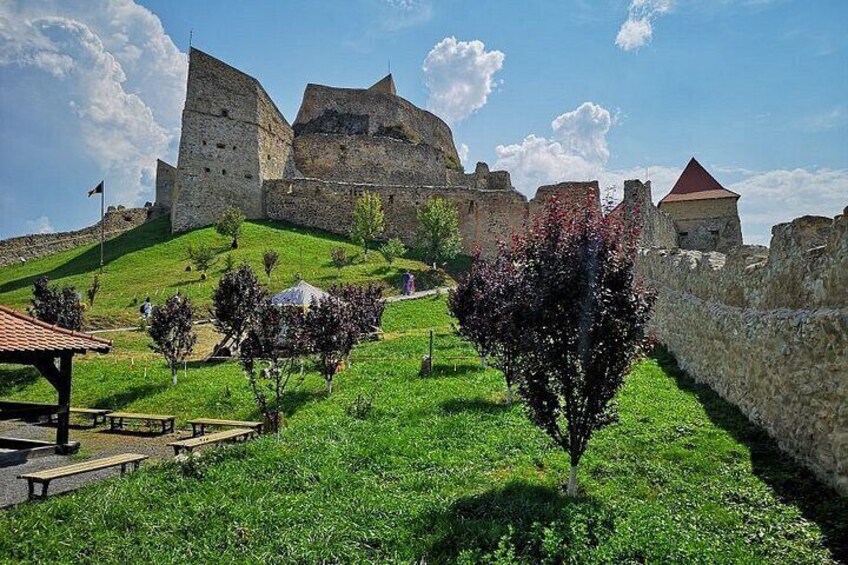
(583,314)
(172,331)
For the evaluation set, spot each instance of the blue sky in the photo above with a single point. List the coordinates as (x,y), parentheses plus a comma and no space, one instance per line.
(757,90)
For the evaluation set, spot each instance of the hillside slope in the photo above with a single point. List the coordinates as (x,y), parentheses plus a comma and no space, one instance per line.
(150,261)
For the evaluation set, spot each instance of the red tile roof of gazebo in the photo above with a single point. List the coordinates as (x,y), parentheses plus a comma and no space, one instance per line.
(695,183)
(20,333)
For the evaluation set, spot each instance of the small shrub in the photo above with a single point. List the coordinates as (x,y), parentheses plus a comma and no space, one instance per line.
(172,331)
(368,220)
(202,256)
(339,257)
(393,249)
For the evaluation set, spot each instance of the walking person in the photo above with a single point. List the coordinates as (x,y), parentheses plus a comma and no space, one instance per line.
(146,308)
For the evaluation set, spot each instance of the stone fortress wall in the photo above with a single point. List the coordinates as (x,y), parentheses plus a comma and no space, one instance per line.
(767,328)
(28,247)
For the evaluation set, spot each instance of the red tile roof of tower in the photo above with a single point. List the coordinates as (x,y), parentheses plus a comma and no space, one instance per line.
(695,183)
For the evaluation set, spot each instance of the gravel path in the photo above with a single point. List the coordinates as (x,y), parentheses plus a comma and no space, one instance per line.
(94,443)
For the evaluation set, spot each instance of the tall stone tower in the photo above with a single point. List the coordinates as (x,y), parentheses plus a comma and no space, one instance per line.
(233,138)
(705,213)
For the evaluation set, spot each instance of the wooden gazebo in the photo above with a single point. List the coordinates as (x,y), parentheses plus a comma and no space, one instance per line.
(50,349)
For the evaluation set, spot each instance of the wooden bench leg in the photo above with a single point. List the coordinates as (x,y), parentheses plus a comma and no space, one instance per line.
(193,430)
(43,495)
(30,489)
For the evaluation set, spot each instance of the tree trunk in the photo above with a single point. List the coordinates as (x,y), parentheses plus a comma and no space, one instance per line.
(330,385)
(174,371)
(572,481)
(508,394)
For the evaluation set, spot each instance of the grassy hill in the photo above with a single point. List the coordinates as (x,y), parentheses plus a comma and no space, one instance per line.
(439,471)
(149,260)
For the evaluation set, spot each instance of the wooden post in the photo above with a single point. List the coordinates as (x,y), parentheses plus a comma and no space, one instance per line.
(431,353)
(63,387)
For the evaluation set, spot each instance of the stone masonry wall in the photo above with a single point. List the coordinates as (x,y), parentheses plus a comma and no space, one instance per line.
(349,111)
(769,333)
(30,247)
(232,138)
(166,178)
(377,160)
(485,216)
(656,229)
(706,225)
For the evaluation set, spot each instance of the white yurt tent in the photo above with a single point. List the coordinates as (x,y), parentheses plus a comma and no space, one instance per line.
(300,295)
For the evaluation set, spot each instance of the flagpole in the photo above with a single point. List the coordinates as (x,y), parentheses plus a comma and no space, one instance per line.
(102,223)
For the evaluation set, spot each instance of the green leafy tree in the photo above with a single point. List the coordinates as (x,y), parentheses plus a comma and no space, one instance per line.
(438,230)
(234,303)
(172,331)
(393,249)
(229,224)
(368,220)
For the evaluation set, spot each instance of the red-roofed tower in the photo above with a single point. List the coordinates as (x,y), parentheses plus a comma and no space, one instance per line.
(705,213)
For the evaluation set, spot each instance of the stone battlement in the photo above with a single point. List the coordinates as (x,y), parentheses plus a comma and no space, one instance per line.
(768,330)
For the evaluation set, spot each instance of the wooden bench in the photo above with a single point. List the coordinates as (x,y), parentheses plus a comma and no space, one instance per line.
(116,420)
(98,415)
(201,423)
(212,439)
(44,477)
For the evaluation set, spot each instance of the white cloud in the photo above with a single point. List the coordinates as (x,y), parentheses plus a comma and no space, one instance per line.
(460,76)
(401,14)
(39,225)
(577,150)
(638,29)
(118,83)
(776,196)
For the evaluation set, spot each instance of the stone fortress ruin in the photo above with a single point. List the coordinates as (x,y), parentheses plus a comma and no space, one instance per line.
(237,149)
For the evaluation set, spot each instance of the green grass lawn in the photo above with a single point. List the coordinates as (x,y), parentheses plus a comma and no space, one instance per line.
(149,260)
(440,470)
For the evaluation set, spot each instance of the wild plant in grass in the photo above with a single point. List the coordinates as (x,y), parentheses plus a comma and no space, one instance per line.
(234,304)
(53,305)
(582,316)
(272,356)
(270,261)
(172,330)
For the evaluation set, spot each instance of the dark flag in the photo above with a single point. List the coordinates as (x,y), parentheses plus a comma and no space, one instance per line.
(96,190)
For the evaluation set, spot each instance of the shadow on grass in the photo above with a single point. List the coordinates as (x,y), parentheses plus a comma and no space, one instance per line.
(459,370)
(474,526)
(121,399)
(145,235)
(791,482)
(460,405)
(16,378)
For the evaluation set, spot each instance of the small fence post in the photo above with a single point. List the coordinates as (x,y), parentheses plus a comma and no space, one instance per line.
(430,368)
